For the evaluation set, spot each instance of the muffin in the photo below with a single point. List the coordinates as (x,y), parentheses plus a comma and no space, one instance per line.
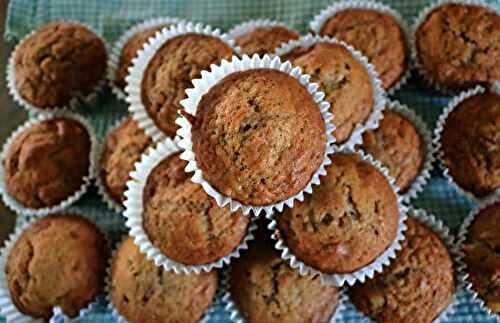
(416,287)
(353,204)
(48,162)
(143,292)
(266,289)
(258,136)
(457,45)
(57,61)
(469,145)
(481,255)
(265,39)
(343,79)
(396,144)
(377,35)
(60,260)
(169,73)
(123,147)
(185,223)
(129,52)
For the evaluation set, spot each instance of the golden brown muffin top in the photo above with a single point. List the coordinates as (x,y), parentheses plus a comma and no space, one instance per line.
(353,205)
(59,59)
(377,35)
(266,289)
(170,71)
(258,136)
(398,146)
(47,162)
(471,145)
(183,221)
(123,147)
(458,45)
(416,287)
(344,80)
(143,292)
(482,255)
(59,260)
(264,40)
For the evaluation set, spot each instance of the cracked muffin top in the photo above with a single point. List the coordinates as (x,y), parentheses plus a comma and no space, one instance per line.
(343,79)
(353,205)
(143,292)
(183,221)
(457,45)
(60,260)
(398,146)
(47,163)
(170,71)
(266,289)
(258,136)
(129,52)
(482,255)
(59,60)
(471,145)
(416,287)
(377,35)
(264,40)
(123,147)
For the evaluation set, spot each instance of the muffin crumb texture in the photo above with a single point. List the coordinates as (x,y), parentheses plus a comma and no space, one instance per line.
(59,60)
(353,204)
(47,162)
(482,256)
(58,261)
(264,40)
(143,292)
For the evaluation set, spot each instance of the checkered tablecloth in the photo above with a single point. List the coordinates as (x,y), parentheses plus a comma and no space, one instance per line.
(111,17)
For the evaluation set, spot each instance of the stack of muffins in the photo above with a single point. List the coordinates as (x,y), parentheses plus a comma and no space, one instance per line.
(260,168)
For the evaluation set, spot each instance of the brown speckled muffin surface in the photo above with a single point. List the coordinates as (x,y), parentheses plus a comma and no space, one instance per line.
(264,40)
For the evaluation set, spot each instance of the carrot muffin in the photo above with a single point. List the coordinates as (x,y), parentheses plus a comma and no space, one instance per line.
(183,221)
(123,147)
(143,292)
(258,136)
(481,250)
(266,289)
(47,163)
(170,71)
(129,52)
(57,61)
(344,80)
(457,45)
(264,40)
(416,287)
(353,204)
(377,35)
(396,144)
(470,145)
(60,260)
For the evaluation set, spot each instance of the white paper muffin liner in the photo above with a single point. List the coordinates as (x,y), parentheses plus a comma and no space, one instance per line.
(210,79)
(134,209)
(461,238)
(379,95)
(7,307)
(320,19)
(76,101)
(366,272)
(141,62)
(439,228)
(116,51)
(424,173)
(112,308)
(15,205)
(438,131)
(236,316)
(249,26)
(419,20)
